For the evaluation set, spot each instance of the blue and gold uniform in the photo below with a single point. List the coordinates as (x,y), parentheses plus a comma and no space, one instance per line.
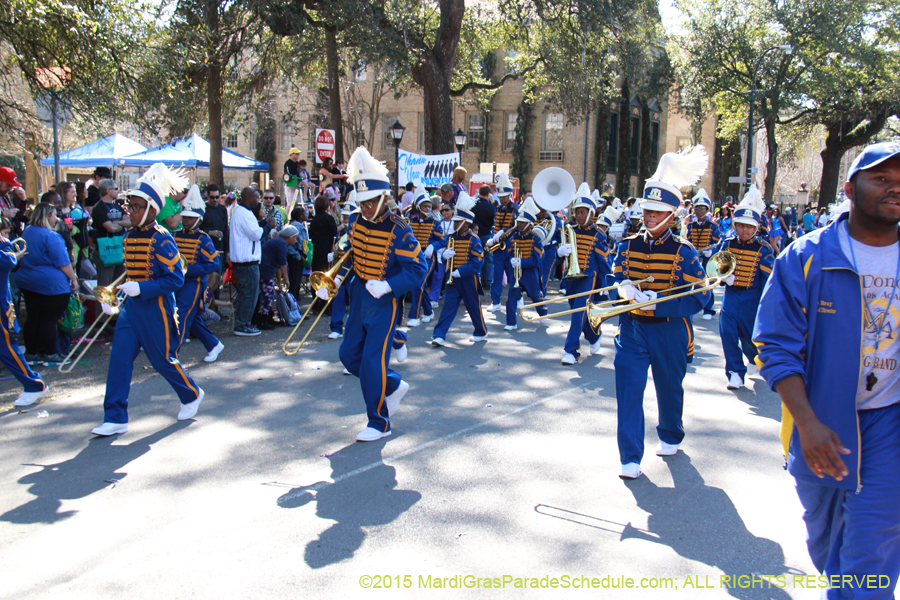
(531,252)
(548,263)
(10,353)
(381,250)
(504,219)
(703,234)
(148,321)
(661,339)
(593,253)
(427,232)
(466,288)
(201,259)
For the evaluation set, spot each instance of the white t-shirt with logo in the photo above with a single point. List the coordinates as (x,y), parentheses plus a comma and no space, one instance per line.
(877,265)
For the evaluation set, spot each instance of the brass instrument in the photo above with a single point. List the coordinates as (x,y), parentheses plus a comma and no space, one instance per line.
(318,280)
(573,270)
(500,244)
(104,295)
(450,265)
(565,298)
(517,270)
(19,242)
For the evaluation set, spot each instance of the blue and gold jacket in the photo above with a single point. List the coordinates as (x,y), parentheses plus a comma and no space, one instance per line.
(754,263)
(468,260)
(8,261)
(152,259)
(199,254)
(427,231)
(672,262)
(592,251)
(505,217)
(531,251)
(703,234)
(385,250)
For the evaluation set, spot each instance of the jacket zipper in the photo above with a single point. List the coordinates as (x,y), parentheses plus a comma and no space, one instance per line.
(862,335)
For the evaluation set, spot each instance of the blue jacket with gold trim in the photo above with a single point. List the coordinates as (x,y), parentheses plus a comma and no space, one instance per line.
(8,262)
(151,258)
(703,234)
(385,250)
(592,250)
(469,255)
(505,217)
(199,253)
(754,262)
(672,262)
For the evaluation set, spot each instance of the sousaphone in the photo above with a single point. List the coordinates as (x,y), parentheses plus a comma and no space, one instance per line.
(552,189)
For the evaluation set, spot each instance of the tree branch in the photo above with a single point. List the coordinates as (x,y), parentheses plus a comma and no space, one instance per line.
(472,85)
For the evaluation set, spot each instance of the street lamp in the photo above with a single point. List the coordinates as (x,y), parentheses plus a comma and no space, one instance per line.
(787,49)
(397,135)
(460,139)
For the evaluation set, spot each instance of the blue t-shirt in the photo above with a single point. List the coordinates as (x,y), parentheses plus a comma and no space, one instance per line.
(274,255)
(39,269)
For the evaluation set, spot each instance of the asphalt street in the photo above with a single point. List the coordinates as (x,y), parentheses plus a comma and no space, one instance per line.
(502,465)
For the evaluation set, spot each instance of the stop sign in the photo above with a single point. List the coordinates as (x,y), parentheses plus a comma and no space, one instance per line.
(324,144)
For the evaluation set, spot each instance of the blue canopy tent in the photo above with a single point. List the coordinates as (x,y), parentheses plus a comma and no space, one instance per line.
(102,153)
(192,153)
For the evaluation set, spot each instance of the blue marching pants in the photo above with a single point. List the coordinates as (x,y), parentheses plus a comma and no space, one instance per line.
(711,301)
(501,265)
(548,263)
(858,534)
(339,309)
(529,281)
(421,305)
(189,300)
(663,347)
(736,328)
(437,280)
(366,350)
(14,361)
(149,325)
(457,292)
(580,325)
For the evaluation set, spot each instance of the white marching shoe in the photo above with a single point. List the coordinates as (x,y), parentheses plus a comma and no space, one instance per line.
(707,317)
(334,335)
(29,398)
(401,353)
(665,449)
(190,409)
(434,304)
(370,434)
(735,382)
(110,429)
(595,347)
(630,471)
(393,401)
(414,323)
(478,338)
(437,342)
(510,327)
(493,308)
(428,318)
(214,353)
(346,372)
(569,359)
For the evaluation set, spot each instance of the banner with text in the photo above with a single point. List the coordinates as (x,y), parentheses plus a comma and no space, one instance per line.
(433,170)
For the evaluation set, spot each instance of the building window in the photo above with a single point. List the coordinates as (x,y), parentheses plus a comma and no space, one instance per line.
(229,140)
(682,143)
(474,131)
(510,120)
(286,142)
(386,139)
(553,132)
(311,139)
(251,142)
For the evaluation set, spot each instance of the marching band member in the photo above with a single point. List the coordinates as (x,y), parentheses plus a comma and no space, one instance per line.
(658,336)
(504,219)
(201,258)
(635,221)
(526,254)
(704,234)
(388,263)
(606,220)
(147,315)
(428,233)
(548,263)
(341,300)
(10,353)
(744,287)
(464,261)
(591,253)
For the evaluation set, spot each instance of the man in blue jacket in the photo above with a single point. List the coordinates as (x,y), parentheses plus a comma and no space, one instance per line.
(831,292)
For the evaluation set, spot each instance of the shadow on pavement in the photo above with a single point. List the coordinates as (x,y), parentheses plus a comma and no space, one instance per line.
(362,495)
(91,470)
(701,523)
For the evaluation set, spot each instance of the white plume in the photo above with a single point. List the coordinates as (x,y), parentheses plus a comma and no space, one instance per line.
(583,191)
(614,212)
(836,210)
(165,179)
(465,202)
(194,200)
(595,196)
(530,207)
(682,169)
(753,198)
(503,182)
(616,203)
(701,193)
(421,191)
(363,162)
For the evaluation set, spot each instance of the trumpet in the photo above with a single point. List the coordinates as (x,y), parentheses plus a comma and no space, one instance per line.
(318,280)
(573,271)
(517,254)
(104,295)
(450,264)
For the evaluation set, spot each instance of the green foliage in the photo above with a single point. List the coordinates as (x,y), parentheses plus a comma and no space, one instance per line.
(521,166)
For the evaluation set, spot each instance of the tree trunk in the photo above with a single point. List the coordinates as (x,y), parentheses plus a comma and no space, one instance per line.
(623,160)
(831,168)
(434,80)
(214,98)
(333,83)
(772,162)
(601,146)
(644,153)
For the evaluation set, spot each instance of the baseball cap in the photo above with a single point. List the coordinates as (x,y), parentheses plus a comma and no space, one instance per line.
(8,176)
(446,187)
(288,232)
(872,155)
(294,151)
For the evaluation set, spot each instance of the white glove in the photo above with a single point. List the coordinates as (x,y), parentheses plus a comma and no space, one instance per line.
(491,241)
(729,280)
(109,310)
(627,291)
(338,280)
(429,251)
(322,293)
(330,256)
(515,262)
(131,288)
(448,253)
(646,296)
(707,253)
(378,288)
(456,273)
(564,250)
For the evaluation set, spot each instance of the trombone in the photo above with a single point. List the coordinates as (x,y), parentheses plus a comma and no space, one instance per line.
(318,280)
(103,295)
(574,310)
(450,264)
